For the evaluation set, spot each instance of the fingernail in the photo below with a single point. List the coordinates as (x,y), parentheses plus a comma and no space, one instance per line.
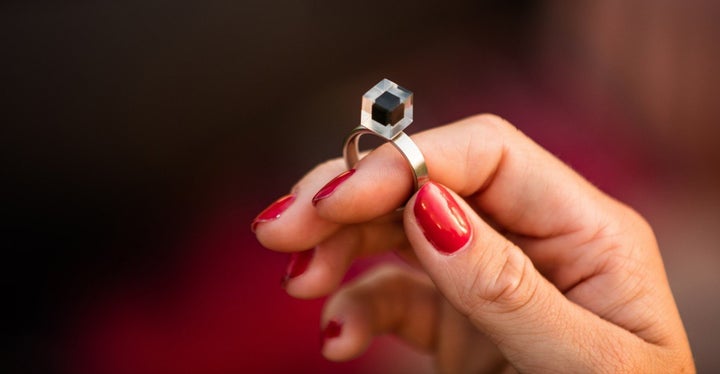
(273,211)
(299,262)
(329,188)
(442,220)
(331,331)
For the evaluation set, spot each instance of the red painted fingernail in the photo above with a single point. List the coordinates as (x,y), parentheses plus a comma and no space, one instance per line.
(331,331)
(299,262)
(273,211)
(329,188)
(442,220)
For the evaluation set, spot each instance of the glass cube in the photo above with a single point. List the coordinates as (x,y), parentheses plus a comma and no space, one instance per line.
(387,108)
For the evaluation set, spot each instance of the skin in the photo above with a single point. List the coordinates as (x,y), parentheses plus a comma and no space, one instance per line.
(556,277)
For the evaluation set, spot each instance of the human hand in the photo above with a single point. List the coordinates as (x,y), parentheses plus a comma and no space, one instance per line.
(524,264)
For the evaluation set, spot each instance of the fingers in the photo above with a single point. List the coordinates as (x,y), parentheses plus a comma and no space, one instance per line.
(515,182)
(328,262)
(403,302)
(490,280)
(388,299)
(292,224)
(520,185)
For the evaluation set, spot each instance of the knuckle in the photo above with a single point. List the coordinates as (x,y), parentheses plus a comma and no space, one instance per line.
(513,286)
(505,284)
(633,220)
(630,238)
(489,119)
(483,126)
(642,225)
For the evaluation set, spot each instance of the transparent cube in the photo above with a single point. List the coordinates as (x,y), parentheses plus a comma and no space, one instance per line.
(387,109)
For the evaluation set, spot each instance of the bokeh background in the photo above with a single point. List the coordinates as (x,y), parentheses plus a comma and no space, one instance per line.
(140,138)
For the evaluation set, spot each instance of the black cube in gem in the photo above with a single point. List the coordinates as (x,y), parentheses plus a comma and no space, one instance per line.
(387,109)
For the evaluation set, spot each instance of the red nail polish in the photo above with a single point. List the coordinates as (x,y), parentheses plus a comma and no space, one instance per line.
(331,331)
(442,220)
(273,212)
(299,262)
(329,188)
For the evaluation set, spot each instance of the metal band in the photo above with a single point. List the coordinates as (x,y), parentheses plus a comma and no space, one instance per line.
(402,143)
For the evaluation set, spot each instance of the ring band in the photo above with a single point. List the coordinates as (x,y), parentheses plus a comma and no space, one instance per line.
(402,143)
(387,109)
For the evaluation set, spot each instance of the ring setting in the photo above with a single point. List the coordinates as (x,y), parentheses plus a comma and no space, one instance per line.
(387,110)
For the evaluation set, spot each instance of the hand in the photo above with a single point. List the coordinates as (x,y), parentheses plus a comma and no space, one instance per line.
(521,261)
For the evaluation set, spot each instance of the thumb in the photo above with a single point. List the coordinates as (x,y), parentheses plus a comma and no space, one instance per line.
(492,282)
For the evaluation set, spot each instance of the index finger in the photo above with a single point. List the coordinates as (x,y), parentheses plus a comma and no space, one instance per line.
(498,169)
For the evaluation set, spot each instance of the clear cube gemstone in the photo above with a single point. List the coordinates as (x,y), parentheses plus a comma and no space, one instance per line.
(387,106)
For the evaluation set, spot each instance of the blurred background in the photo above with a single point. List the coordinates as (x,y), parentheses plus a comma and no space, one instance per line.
(140,138)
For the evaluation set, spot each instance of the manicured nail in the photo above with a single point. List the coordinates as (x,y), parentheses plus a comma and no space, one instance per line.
(273,212)
(331,331)
(442,220)
(299,262)
(329,188)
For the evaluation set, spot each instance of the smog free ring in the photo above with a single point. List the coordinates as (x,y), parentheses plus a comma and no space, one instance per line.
(387,109)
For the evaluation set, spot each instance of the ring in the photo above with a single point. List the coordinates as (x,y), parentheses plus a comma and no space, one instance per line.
(387,109)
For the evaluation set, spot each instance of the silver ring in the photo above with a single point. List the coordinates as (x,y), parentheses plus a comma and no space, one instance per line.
(387,109)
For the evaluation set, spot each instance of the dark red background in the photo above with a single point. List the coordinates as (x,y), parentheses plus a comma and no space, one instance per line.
(140,138)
